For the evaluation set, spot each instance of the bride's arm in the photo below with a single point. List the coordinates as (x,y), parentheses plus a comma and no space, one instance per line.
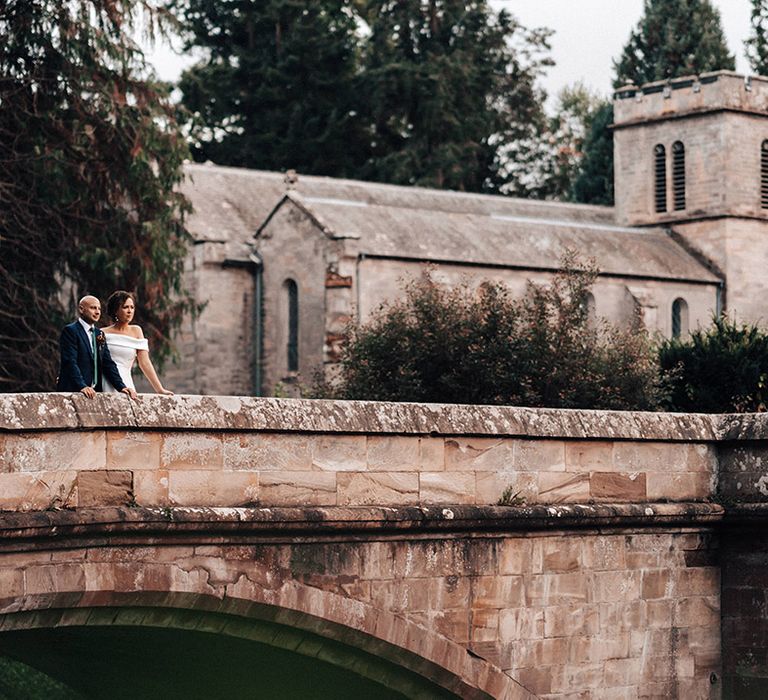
(146,366)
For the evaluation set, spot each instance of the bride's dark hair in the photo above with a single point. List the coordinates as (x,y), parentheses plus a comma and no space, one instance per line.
(116,300)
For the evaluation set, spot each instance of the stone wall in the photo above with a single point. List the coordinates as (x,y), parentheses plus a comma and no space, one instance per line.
(243,452)
(600,578)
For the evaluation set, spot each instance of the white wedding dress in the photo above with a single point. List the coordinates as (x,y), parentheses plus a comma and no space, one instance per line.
(123,350)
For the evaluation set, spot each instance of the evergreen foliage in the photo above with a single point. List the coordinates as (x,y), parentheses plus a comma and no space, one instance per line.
(674,38)
(757,44)
(723,369)
(436,92)
(277,88)
(484,347)
(593,182)
(89,161)
(449,93)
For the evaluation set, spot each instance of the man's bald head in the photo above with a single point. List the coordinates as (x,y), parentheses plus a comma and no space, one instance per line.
(90,309)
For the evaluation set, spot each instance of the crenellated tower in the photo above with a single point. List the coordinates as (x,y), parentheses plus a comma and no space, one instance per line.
(691,154)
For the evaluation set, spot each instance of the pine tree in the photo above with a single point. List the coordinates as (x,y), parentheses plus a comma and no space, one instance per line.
(757,44)
(593,182)
(450,101)
(90,158)
(674,38)
(277,85)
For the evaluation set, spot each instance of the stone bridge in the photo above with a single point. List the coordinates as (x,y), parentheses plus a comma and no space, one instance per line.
(206,546)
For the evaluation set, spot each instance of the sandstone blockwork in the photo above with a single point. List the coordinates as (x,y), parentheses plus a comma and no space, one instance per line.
(496,552)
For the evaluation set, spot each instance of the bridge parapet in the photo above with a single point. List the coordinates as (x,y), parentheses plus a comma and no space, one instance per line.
(60,450)
(601,573)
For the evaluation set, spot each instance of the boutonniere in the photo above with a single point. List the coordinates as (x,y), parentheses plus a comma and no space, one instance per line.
(100,339)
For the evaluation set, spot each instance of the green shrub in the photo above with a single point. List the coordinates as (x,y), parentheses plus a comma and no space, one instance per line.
(485,347)
(723,369)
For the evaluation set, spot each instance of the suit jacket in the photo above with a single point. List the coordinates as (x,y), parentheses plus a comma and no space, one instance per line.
(76,369)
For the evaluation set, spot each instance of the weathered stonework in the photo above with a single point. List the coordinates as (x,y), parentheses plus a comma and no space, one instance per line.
(600,577)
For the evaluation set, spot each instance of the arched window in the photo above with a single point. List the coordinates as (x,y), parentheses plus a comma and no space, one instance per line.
(679,317)
(660,182)
(590,308)
(678,175)
(292,291)
(764,175)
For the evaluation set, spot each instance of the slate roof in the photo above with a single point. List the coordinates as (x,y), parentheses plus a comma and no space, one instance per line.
(231,204)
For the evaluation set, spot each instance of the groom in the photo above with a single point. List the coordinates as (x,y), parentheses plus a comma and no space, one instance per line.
(85,356)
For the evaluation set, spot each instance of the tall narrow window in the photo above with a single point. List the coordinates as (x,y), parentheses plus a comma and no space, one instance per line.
(678,174)
(293,325)
(679,317)
(660,171)
(589,307)
(764,175)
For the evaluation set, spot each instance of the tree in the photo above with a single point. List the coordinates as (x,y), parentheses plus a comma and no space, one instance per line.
(277,86)
(484,347)
(89,161)
(723,369)
(450,94)
(593,181)
(757,44)
(673,38)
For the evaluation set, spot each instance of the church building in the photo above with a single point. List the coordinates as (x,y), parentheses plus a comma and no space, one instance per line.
(283,263)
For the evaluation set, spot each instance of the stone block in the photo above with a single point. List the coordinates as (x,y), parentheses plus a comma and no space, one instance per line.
(515,555)
(133,450)
(699,580)
(479,454)
(191,451)
(432,454)
(98,489)
(563,488)
(150,488)
(337,453)
(540,455)
(268,452)
(38,491)
(484,625)
(559,554)
(383,488)
(447,487)
(651,456)
(521,623)
(629,615)
(497,592)
(685,486)
(571,620)
(614,645)
(617,487)
(656,583)
(556,589)
(490,487)
(615,586)
(213,488)
(589,456)
(37,452)
(697,611)
(297,489)
(622,672)
(604,552)
(393,453)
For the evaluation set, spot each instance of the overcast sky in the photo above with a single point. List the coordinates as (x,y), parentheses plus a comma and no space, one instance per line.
(589,34)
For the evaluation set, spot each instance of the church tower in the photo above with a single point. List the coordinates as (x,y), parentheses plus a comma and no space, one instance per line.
(691,154)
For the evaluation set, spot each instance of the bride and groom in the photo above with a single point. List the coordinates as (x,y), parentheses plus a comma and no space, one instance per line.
(100,359)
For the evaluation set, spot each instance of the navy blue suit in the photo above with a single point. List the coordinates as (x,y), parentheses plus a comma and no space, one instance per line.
(76,371)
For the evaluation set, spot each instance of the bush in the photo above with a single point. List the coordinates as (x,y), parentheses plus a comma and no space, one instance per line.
(723,369)
(485,347)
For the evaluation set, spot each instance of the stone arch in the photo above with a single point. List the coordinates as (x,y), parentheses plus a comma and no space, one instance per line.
(72,600)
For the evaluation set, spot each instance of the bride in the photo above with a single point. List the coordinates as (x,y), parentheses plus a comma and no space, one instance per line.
(127,343)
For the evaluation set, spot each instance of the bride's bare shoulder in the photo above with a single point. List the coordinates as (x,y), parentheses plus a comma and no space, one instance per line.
(136,332)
